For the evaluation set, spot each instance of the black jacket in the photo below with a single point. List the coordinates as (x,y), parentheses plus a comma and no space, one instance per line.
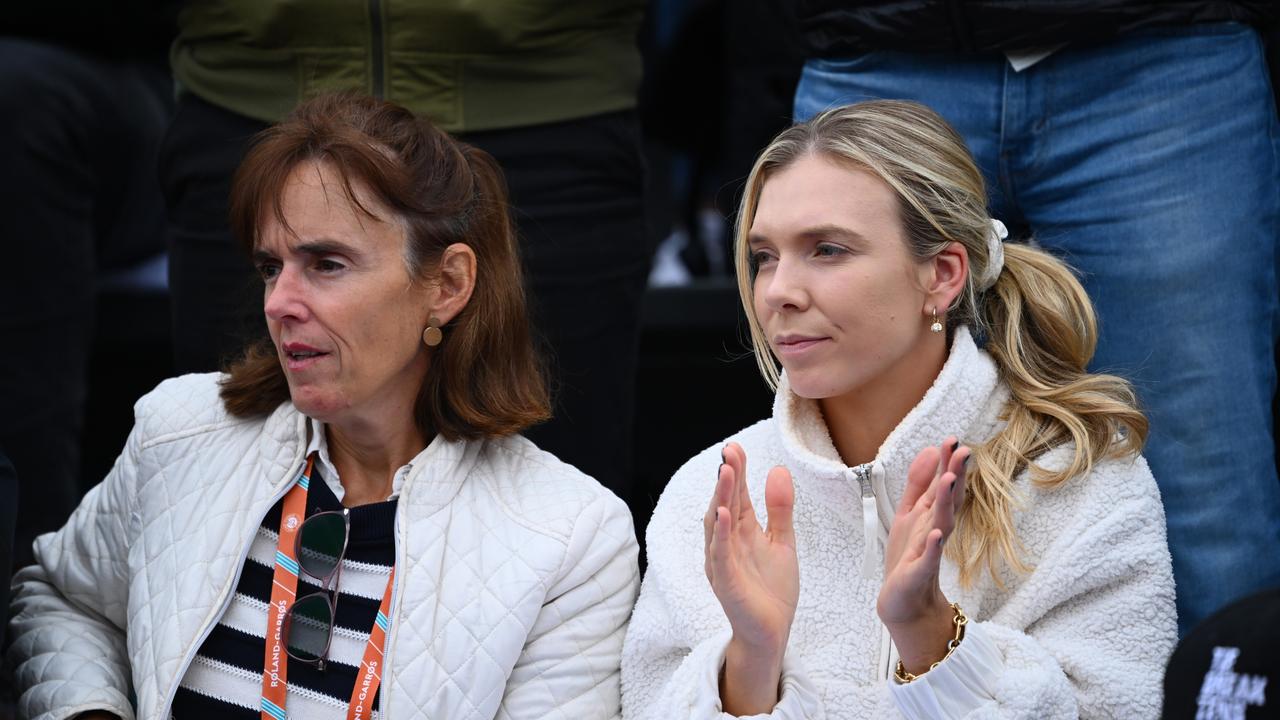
(829,28)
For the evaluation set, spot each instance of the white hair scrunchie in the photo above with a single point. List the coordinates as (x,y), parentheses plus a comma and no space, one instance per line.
(995,255)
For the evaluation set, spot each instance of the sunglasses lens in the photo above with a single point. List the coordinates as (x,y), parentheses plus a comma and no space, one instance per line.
(309,626)
(321,543)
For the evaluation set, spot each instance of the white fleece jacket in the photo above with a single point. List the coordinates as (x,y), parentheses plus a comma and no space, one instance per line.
(1085,634)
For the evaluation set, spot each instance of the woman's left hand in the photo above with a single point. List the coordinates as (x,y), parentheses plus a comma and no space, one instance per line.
(911,603)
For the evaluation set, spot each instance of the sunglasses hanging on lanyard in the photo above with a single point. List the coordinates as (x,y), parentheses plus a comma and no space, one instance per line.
(302,629)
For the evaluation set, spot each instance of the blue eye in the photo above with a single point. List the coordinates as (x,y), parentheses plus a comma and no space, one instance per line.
(830,250)
(325,265)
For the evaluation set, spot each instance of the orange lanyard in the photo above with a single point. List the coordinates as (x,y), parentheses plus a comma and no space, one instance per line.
(284,587)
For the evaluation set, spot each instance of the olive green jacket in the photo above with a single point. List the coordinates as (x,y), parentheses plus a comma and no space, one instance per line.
(467,65)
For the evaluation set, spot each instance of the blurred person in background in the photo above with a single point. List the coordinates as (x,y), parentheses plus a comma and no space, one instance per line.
(718,86)
(1137,140)
(84,99)
(348,519)
(1225,667)
(547,88)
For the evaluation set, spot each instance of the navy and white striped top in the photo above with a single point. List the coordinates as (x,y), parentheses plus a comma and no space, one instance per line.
(225,679)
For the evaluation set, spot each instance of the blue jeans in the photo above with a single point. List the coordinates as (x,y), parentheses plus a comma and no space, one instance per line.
(1149,164)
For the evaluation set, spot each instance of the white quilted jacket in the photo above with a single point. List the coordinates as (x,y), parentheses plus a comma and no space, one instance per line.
(515,572)
(1084,634)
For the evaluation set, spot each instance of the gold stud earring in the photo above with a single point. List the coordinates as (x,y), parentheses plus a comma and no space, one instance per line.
(432,336)
(936,326)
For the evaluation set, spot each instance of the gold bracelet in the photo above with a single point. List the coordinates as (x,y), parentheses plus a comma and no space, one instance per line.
(904,677)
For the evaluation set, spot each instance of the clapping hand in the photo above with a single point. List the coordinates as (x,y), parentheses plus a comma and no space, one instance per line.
(756,577)
(911,602)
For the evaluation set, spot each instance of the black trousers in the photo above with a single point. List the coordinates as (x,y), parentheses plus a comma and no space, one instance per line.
(8,519)
(577,195)
(78,195)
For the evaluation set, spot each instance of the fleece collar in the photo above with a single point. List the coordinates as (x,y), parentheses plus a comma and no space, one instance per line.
(957,403)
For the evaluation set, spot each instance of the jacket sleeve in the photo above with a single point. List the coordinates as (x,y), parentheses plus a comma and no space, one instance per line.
(569,668)
(676,642)
(665,678)
(1085,635)
(69,610)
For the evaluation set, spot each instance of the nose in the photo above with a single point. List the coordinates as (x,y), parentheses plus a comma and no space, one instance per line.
(285,296)
(783,287)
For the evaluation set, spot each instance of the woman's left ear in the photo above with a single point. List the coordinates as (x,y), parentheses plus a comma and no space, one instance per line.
(949,270)
(455,281)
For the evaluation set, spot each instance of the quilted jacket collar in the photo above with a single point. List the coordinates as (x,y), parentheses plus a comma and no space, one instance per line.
(956,404)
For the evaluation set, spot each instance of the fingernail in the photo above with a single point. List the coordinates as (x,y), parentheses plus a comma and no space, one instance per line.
(939,542)
(965,463)
(952,489)
(955,446)
(723,459)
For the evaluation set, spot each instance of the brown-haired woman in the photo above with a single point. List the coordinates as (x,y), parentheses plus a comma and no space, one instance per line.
(346,523)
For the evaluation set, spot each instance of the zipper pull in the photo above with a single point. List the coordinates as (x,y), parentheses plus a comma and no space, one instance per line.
(862,473)
(870,522)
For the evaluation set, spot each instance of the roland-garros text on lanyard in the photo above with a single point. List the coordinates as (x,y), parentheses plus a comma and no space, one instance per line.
(284,586)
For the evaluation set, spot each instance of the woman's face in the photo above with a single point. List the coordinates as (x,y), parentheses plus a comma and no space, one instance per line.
(344,314)
(841,301)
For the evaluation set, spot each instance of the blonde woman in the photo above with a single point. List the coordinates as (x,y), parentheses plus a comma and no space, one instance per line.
(954,518)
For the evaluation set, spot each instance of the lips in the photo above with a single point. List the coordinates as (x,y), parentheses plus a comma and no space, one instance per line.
(299,356)
(797,344)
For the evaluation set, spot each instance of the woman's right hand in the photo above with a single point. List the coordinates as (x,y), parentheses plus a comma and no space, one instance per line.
(756,577)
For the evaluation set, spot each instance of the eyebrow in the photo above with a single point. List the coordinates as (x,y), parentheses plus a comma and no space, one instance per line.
(825,231)
(324,246)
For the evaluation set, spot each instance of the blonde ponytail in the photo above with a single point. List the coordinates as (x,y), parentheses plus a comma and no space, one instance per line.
(1038,323)
(1041,330)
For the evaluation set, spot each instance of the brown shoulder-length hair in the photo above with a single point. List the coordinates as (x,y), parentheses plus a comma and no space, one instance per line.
(485,379)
